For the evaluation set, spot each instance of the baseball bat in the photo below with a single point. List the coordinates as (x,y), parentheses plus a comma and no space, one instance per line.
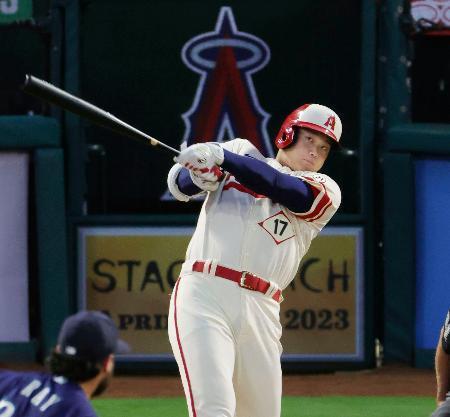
(54,95)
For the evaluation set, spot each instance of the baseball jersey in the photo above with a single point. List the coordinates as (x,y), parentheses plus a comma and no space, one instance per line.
(446,334)
(242,230)
(38,394)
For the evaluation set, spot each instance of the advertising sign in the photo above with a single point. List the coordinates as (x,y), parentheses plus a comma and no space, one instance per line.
(129,272)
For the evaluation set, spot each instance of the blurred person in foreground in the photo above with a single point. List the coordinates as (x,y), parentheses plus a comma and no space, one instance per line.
(442,365)
(80,367)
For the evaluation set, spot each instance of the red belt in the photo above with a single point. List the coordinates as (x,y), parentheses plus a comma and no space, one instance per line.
(243,278)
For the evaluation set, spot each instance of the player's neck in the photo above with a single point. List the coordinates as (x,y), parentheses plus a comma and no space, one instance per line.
(280,158)
(90,386)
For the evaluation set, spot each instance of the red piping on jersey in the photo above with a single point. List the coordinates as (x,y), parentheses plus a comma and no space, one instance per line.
(242,188)
(320,208)
(320,214)
(181,351)
(314,190)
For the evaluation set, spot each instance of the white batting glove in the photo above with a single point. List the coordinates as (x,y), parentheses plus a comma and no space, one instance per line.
(202,183)
(203,159)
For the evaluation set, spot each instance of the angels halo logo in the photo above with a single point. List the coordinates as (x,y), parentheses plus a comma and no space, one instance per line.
(225,105)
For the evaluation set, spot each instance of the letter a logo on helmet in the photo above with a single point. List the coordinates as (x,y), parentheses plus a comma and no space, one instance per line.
(331,122)
(312,116)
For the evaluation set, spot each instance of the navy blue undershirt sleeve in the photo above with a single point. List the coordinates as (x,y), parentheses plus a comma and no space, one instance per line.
(185,184)
(261,178)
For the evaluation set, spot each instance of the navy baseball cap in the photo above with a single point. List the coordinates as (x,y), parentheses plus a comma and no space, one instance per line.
(90,335)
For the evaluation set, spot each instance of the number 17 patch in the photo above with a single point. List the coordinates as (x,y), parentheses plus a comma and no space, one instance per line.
(279,227)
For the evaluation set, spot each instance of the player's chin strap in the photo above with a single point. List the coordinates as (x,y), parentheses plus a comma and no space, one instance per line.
(245,279)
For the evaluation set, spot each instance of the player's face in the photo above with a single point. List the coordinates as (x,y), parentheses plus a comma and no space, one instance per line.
(308,153)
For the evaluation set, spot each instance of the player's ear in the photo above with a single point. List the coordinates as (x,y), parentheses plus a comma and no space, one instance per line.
(296,135)
(108,364)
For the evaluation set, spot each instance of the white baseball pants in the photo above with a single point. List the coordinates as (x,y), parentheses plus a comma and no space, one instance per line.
(226,341)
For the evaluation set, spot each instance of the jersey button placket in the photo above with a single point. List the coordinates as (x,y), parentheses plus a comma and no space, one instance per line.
(247,237)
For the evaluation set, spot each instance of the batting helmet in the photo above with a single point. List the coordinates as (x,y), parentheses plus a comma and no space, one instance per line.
(312,116)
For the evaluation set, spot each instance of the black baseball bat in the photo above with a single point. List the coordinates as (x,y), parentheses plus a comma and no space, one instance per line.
(54,95)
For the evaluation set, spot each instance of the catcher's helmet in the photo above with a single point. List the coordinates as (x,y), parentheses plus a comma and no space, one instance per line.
(312,116)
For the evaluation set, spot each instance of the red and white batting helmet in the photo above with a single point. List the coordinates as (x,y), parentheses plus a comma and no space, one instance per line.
(312,116)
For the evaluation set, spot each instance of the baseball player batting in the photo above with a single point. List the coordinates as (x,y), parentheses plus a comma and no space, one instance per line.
(254,227)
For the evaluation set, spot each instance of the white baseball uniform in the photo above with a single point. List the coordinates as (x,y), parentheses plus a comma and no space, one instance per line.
(226,338)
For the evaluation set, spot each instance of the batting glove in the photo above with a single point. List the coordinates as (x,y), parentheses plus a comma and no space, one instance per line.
(203,159)
(202,183)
